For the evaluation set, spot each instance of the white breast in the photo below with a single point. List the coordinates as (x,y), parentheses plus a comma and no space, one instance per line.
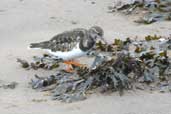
(74,53)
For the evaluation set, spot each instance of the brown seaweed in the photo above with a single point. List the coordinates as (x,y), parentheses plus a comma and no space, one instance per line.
(156,10)
(124,70)
(44,62)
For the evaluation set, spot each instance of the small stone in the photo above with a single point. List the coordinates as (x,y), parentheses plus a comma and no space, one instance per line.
(52,17)
(74,22)
(39,100)
(93,2)
(11,85)
(24,63)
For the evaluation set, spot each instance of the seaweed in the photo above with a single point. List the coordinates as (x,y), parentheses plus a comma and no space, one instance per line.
(41,82)
(156,10)
(126,65)
(45,62)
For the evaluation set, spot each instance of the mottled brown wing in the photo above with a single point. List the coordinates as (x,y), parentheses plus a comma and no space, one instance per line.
(65,41)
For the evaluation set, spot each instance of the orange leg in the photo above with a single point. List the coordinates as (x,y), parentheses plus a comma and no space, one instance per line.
(69,65)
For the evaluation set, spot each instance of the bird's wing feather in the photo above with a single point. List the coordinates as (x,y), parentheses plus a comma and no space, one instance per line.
(65,41)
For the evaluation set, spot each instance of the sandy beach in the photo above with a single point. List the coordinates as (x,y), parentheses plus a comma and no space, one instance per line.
(26,21)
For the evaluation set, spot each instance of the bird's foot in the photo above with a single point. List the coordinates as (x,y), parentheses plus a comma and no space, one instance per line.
(71,64)
(69,69)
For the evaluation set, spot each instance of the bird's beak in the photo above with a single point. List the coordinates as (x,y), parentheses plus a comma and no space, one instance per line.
(103,40)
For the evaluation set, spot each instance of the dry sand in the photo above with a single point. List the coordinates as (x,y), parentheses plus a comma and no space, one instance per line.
(26,21)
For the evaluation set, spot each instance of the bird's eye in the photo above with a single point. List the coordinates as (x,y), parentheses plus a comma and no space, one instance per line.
(99,34)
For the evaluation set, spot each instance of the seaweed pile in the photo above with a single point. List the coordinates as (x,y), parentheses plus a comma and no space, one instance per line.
(122,65)
(45,62)
(152,10)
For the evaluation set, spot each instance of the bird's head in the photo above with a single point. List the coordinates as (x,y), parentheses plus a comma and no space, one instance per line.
(97,33)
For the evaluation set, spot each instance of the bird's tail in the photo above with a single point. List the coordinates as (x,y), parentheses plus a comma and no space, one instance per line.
(41,45)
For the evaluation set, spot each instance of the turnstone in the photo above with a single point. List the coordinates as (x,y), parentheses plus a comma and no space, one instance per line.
(71,44)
